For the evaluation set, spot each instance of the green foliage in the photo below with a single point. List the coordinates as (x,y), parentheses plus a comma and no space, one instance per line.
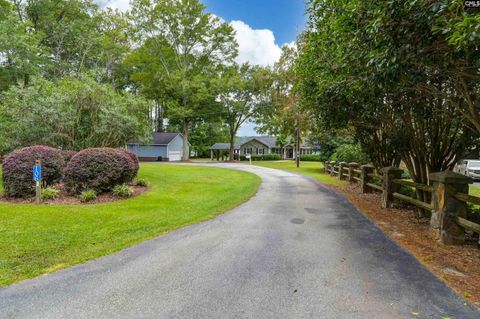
(122,190)
(384,70)
(88,195)
(50,193)
(264,157)
(310,158)
(91,115)
(240,90)
(349,153)
(141,182)
(204,134)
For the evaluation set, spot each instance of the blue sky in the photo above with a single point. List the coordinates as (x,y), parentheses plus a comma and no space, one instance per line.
(262,27)
(284,17)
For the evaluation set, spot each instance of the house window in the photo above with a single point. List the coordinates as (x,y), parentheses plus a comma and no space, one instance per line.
(248,150)
(260,151)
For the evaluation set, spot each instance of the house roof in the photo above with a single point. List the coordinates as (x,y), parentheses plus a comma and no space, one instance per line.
(269,141)
(162,138)
(159,138)
(223,146)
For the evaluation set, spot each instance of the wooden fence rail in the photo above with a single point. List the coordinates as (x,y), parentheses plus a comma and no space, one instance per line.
(449,195)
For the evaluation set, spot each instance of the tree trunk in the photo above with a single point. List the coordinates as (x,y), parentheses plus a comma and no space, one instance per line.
(232,148)
(186,148)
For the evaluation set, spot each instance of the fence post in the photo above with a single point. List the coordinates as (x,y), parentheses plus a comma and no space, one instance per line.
(325,166)
(340,170)
(332,168)
(364,178)
(446,208)
(351,173)
(389,187)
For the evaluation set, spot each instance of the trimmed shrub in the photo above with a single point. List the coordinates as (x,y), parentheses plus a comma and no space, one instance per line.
(310,158)
(349,153)
(88,195)
(50,193)
(132,162)
(18,165)
(99,169)
(266,157)
(67,155)
(122,191)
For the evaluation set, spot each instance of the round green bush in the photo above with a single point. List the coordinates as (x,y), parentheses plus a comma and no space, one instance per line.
(99,169)
(18,169)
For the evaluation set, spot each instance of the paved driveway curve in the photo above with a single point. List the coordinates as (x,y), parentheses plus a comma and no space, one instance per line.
(295,250)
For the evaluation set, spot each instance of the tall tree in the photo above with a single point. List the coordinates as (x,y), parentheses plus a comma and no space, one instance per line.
(186,44)
(239,97)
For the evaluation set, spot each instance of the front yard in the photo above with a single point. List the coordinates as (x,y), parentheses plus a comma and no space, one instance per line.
(35,240)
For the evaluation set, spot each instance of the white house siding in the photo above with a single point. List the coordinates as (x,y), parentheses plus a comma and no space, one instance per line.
(175,149)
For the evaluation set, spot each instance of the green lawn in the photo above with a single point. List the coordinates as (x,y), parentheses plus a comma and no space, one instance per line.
(39,239)
(312,169)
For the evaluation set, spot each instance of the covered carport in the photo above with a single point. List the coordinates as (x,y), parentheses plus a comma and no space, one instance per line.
(218,150)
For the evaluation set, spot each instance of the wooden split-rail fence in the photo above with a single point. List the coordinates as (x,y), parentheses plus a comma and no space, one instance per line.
(449,195)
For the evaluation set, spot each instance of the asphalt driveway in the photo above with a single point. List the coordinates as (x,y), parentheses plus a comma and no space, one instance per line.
(295,250)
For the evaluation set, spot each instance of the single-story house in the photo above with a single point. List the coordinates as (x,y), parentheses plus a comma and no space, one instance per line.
(164,147)
(259,145)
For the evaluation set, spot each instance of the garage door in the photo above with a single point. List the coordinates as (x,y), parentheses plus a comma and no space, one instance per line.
(174,156)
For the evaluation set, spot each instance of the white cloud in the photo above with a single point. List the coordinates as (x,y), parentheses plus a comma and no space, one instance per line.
(256,46)
(122,5)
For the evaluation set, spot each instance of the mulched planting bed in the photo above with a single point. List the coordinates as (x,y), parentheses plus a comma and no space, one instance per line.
(67,199)
(458,266)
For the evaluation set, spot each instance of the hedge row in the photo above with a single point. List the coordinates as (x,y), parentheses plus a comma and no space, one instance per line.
(264,157)
(276,157)
(100,169)
(310,157)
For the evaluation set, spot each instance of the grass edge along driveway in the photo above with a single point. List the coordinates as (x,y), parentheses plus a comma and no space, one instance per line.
(36,240)
(311,169)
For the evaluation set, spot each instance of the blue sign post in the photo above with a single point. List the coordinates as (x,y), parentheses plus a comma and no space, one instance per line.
(37,177)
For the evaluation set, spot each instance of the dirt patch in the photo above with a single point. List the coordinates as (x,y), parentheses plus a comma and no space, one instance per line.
(67,199)
(458,266)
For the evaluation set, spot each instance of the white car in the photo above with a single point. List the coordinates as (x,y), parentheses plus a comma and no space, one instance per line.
(469,168)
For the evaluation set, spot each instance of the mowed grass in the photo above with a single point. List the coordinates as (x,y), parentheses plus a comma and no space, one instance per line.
(312,169)
(35,240)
